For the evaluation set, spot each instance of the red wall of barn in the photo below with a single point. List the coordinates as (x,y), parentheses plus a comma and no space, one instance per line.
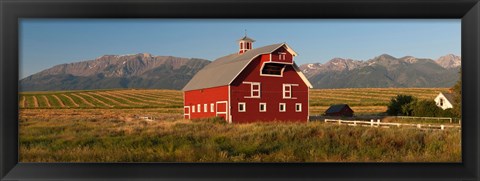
(288,56)
(205,96)
(271,93)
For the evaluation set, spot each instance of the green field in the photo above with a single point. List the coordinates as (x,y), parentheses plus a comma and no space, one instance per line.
(104,126)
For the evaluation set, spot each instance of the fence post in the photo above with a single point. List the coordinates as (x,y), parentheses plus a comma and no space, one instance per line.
(371,122)
(419,126)
(378,122)
(442,126)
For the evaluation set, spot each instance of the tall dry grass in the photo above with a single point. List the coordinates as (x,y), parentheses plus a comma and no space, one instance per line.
(113,136)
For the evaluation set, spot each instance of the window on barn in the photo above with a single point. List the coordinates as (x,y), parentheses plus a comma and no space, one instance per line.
(282,107)
(255,89)
(287,91)
(242,107)
(298,107)
(193,109)
(281,55)
(199,108)
(205,108)
(212,107)
(441,102)
(263,107)
(273,69)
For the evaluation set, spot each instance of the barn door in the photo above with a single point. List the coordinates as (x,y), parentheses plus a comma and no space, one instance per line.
(221,110)
(186,112)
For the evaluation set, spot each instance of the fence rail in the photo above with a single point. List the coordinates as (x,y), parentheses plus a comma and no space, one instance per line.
(378,123)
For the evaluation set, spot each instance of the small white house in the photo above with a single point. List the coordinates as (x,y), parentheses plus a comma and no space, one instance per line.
(444,100)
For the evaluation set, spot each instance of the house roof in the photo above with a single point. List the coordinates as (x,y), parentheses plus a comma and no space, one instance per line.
(224,70)
(449,97)
(335,108)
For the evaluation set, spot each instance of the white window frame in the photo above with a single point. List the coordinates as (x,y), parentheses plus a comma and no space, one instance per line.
(260,107)
(199,108)
(270,75)
(296,105)
(284,107)
(205,107)
(193,109)
(281,55)
(186,114)
(244,107)
(212,107)
(290,86)
(259,90)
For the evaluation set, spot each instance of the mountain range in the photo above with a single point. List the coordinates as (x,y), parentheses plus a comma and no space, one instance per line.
(117,71)
(384,71)
(144,70)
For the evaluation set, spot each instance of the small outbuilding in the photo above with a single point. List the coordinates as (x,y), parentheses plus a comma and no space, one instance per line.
(339,110)
(444,100)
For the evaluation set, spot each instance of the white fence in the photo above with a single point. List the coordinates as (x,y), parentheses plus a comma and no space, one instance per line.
(377,123)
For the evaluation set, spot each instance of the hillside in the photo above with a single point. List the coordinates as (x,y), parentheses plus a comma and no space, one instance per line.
(115,71)
(384,71)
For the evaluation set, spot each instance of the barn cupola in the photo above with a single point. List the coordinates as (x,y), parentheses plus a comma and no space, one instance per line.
(245,44)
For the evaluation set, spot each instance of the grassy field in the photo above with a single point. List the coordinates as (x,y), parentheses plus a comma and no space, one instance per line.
(112,137)
(103,126)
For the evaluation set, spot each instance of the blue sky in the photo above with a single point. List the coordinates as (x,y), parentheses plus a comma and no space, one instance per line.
(48,42)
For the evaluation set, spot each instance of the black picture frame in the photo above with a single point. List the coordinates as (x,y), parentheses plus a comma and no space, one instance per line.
(466,10)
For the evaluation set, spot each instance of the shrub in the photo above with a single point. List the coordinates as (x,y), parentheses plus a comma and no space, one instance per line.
(399,105)
(428,108)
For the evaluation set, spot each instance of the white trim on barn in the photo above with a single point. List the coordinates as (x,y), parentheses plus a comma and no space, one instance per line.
(298,107)
(264,104)
(185,114)
(284,107)
(242,105)
(252,90)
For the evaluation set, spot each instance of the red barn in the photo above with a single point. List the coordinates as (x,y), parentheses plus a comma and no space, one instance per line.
(261,84)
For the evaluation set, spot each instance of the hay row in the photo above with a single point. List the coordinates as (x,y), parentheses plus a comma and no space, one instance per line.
(95,99)
(83,100)
(59,100)
(22,102)
(70,99)
(35,101)
(108,98)
(46,101)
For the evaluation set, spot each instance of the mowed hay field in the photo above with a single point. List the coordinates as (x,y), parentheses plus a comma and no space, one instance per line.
(361,100)
(104,126)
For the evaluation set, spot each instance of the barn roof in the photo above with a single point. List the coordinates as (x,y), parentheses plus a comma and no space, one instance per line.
(224,70)
(247,39)
(449,97)
(335,108)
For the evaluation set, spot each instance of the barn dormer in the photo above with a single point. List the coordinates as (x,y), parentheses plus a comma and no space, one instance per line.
(245,44)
